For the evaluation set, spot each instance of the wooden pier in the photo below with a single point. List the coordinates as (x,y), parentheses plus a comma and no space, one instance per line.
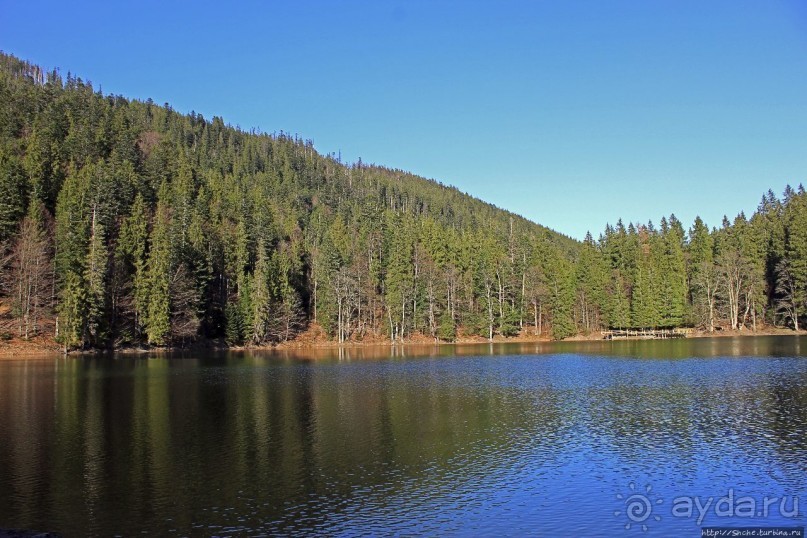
(645,334)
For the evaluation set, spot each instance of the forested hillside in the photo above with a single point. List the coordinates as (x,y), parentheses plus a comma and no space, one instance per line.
(745,274)
(126,223)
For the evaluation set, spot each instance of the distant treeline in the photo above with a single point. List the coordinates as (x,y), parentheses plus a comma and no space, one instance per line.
(124,222)
(745,274)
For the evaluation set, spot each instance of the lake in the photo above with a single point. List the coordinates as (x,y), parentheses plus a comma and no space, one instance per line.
(565,439)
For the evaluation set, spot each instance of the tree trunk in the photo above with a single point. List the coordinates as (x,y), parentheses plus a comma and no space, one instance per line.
(501,297)
(489,293)
(403,320)
(535,311)
(523,296)
(315,300)
(540,320)
(339,319)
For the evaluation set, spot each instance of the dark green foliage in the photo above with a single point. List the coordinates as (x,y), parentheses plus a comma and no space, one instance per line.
(130,278)
(172,227)
(234,334)
(95,277)
(12,192)
(73,215)
(591,278)
(792,269)
(159,270)
(707,279)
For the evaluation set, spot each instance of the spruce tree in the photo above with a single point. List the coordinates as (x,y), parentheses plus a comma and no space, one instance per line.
(672,273)
(72,227)
(132,245)
(95,277)
(261,296)
(158,271)
(12,192)
(702,274)
(794,268)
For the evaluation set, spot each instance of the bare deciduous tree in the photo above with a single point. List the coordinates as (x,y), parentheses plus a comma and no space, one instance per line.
(26,279)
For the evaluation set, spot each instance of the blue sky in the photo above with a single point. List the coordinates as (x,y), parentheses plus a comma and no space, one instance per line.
(573,114)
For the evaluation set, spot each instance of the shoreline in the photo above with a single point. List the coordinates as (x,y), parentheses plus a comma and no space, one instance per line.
(46,347)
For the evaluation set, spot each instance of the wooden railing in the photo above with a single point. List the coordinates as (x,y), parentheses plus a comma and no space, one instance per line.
(615,334)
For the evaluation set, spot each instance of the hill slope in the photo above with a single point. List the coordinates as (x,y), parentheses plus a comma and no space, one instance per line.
(125,222)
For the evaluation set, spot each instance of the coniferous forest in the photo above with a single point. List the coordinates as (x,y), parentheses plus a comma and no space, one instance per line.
(123,222)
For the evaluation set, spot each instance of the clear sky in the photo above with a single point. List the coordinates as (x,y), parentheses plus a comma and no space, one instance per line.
(571,113)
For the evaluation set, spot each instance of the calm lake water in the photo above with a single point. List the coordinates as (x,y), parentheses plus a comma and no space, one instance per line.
(550,440)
